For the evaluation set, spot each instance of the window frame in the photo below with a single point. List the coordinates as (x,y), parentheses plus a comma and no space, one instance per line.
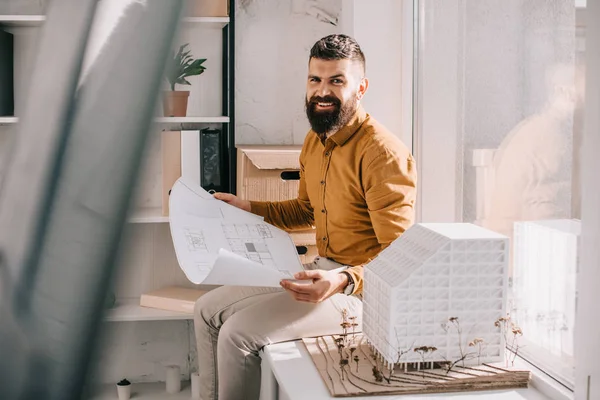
(434,208)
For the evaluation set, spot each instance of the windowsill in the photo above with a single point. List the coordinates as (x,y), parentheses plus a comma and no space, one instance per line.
(545,384)
(298,379)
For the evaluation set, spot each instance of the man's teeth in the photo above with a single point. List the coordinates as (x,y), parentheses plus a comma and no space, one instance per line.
(325,104)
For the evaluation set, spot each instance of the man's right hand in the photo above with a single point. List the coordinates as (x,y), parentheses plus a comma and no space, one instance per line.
(233,200)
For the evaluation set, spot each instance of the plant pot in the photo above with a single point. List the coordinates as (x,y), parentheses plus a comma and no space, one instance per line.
(175,103)
(124,392)
(207,8)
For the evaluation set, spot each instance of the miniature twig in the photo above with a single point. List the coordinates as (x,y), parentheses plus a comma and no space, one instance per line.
(480,344)
(449,365)
(507,327)
(354,324)
(453,322)
(517,332)
(423,351)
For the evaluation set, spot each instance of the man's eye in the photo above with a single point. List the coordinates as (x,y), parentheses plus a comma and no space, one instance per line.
(337,81)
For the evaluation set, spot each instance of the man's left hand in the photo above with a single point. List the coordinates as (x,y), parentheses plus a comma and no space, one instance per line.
(324,285)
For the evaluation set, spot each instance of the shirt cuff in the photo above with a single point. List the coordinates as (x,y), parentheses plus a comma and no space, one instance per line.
(357,275)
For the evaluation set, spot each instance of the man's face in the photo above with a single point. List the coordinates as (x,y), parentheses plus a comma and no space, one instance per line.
(332,93)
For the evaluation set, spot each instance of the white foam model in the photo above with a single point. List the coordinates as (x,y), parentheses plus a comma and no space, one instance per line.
(545,271)
(429,274)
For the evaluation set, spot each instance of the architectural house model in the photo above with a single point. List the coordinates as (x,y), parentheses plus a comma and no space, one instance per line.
(433,274)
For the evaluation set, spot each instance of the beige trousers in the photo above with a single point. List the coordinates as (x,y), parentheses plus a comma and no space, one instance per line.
(232,323)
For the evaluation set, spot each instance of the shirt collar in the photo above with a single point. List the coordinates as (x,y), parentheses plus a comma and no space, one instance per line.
(348,130)
(344,134)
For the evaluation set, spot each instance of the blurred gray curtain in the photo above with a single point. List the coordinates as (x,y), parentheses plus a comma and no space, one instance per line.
(64,198)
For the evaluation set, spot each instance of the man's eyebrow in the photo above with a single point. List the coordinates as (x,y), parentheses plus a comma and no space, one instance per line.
(331,77)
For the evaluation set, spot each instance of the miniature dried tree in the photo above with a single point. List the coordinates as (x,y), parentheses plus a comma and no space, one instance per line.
(347,323)
(342,342)
(516,332)
(353,348)
(377,374)
(339,342)
(453,323)
(480,344)
(508,328)
(354,324)
(399,354)
(424,351)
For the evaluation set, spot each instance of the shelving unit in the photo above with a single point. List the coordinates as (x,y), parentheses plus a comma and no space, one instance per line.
(226,119)
(149,258)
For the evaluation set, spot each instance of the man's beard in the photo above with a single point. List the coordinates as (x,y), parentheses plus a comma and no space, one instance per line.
(329,121)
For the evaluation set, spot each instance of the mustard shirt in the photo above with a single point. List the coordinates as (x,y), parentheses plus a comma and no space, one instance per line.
(358,188)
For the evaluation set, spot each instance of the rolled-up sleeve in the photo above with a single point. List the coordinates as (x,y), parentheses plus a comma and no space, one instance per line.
(390,184)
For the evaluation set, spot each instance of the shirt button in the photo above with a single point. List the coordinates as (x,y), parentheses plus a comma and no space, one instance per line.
(322,182)
(324,238)
(326,153)
(323,211)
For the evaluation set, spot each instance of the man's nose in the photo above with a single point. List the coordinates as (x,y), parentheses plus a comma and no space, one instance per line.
(323,89)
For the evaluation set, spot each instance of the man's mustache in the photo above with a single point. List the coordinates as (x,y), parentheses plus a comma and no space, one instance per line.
(326,99)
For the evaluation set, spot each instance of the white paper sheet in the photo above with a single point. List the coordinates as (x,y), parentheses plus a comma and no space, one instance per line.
(219,244)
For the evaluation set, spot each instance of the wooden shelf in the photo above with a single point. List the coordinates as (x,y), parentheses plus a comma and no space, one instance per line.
(143,391)
(158,120)
(129,310)
(21,20)
(192,120)
(217,21)
(148,216)
(8,120)
(36,20)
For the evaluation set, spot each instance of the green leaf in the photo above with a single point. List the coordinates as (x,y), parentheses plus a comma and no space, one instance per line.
(182,65)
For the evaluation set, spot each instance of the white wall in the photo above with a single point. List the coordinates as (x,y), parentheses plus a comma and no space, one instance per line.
(378,30)
(273,40)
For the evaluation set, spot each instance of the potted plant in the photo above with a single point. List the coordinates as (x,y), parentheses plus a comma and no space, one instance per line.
(124,389)
(180,66)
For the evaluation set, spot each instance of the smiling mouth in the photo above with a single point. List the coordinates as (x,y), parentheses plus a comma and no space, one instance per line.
(324,105)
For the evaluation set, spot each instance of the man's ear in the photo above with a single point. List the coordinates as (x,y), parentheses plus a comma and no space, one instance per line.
(362,88)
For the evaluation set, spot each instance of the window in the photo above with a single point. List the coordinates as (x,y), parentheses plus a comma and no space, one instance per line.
(498,116)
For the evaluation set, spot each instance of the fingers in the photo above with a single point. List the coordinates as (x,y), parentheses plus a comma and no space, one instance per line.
(300,288)
(309,274)
(302,297)
(226,197)
(310,293)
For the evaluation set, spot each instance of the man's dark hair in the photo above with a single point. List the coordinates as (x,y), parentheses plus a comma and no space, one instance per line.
(338,47)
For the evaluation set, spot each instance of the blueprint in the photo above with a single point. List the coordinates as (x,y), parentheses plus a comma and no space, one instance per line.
(219,244)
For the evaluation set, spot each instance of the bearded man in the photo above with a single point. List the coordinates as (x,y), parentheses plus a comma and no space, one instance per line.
(357,188)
